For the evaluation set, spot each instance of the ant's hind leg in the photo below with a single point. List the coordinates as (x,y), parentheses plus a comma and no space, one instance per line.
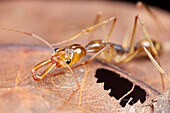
(130,56)
(155,53)
(141,5)
(132,51)
(131,43)
(154,17)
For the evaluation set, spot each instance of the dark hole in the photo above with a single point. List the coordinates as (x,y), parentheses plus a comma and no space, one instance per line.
(120,86)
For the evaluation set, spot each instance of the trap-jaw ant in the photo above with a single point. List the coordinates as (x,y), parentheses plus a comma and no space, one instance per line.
(125,52)
(69,55)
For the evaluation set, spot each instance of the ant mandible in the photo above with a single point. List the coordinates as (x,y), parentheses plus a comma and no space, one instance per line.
(69,55)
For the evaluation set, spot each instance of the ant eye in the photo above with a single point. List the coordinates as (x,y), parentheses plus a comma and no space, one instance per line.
(56,49)
(68,61)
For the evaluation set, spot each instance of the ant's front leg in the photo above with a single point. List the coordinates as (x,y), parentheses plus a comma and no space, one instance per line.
(141,5)
(89,29)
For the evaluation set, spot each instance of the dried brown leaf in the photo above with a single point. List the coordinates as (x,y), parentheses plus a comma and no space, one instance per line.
(161,103)
(54,22)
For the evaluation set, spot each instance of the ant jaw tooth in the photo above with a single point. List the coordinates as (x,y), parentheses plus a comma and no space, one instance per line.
(36,78)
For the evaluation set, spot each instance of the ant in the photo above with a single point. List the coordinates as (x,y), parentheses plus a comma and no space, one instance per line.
(69,55)
(125,52)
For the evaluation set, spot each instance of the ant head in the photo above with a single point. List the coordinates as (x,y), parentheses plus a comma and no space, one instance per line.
(70,54)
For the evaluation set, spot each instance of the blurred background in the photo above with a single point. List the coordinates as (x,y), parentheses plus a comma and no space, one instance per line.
(163,4)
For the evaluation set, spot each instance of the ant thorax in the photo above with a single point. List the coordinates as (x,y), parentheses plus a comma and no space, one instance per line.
(69,52)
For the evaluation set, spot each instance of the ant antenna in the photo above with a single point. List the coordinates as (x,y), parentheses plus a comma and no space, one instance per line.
(30,34)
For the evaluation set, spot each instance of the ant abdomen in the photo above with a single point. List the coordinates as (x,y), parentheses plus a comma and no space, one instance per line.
(145,43)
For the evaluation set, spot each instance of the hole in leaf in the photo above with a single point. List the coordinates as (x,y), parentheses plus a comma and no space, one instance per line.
(120,86)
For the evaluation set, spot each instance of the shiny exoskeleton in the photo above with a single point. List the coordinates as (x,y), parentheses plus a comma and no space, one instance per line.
(73,53)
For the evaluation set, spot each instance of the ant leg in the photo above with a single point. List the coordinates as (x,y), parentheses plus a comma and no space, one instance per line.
(82,85)
(131,47)
(87,30)
(76,81)
(149,39)
(70,71)
(96,21)
(130,56)
(127,38)
(107,35)
(154,16)
(141,5)
(30,34)
(98,17)
(38,66)
(111,29)
(131,40)
(153,49)
(107,55)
